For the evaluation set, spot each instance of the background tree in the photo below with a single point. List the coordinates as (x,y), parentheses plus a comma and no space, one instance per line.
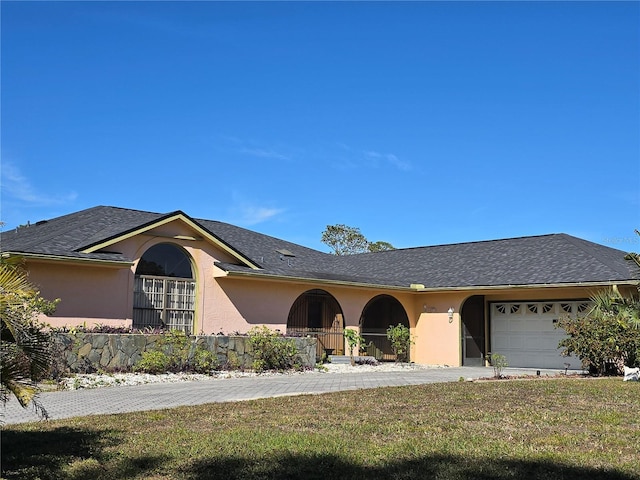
(345,240)
(25,353)
(380,246)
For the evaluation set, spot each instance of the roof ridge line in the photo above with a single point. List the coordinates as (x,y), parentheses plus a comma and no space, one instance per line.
(461,243)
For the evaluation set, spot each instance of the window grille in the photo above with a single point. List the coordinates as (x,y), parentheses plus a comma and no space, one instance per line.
(164,303)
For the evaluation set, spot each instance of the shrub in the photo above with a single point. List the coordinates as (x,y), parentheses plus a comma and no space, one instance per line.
(154,362)
(400,338)
(170,354)
(204,361)
(607,337)
(110,329)
(366,361)
(498,362)
(233,362)
(271,351)
(354,340)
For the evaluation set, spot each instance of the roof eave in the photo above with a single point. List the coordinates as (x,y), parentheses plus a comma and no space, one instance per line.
(314,281)
(606,283)
(417,288)
(67,260)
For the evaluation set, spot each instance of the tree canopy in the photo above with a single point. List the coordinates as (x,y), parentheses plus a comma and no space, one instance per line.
(345,240)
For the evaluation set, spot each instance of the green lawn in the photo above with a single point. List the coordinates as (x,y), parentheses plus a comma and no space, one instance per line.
(546,429)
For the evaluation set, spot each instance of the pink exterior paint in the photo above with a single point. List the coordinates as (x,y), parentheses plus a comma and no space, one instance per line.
(437,341)
(89,295)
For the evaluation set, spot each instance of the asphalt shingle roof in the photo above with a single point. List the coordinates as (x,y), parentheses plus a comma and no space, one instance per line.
(536,260)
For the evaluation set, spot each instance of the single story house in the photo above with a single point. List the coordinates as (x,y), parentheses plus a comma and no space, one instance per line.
(125,267)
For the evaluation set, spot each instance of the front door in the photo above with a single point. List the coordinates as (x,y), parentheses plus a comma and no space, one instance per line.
(473,348)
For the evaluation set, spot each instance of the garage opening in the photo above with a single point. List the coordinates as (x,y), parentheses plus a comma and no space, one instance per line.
(526,334)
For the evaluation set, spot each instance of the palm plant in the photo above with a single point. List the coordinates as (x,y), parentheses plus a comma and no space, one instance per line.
(634,256)
(24,345)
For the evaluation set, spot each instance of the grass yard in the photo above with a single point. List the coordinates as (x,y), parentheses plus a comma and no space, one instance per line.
(545,429)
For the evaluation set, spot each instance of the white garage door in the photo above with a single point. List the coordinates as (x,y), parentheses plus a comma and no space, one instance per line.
(526,334)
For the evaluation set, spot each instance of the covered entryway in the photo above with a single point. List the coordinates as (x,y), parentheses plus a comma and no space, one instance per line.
(526,334)
(473,328)
(318,313)
(380,313)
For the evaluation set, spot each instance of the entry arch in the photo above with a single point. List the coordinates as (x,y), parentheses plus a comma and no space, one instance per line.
(317,313)
(378,315)
(164,292)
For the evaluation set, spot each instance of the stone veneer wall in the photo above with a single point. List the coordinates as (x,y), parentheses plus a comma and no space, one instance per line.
(82,352)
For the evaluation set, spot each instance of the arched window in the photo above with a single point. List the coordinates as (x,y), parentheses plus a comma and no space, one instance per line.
(164,290)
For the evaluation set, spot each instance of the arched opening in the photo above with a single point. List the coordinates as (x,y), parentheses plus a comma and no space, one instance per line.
(164,290)
(318,313)
(473,328)
(378,315)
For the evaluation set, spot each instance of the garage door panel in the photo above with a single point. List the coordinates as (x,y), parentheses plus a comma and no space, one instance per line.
(516,342)
(501,342)
(526,334)
(534,342)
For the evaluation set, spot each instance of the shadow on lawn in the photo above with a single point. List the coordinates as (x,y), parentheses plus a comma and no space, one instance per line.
(76,454)
(442,467)
(68,452)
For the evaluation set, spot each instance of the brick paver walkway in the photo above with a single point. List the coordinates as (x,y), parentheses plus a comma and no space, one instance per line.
(112,400)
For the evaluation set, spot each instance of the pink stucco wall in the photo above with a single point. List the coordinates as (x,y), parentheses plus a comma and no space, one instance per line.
(437,341)
(88,294)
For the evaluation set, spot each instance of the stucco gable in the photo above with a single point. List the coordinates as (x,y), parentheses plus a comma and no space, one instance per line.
(201,233)
(92,234)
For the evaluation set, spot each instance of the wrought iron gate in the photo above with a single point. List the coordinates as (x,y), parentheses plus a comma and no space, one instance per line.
(316,313)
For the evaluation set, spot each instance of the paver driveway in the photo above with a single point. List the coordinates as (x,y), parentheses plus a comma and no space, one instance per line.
(110,400)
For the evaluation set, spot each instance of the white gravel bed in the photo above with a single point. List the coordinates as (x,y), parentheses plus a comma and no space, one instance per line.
(99,380)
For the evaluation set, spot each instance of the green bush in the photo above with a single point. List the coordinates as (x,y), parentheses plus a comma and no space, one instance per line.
(355,341)
(233,361)
(607,337)
(400,338)
(271,351)
(204,361)
(153,361)
(175,345)
(170,354)
(498,362)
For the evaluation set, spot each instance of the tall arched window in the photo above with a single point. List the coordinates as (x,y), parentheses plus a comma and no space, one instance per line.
(164,290)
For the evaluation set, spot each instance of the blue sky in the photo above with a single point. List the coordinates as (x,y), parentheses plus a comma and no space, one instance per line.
(421,123)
